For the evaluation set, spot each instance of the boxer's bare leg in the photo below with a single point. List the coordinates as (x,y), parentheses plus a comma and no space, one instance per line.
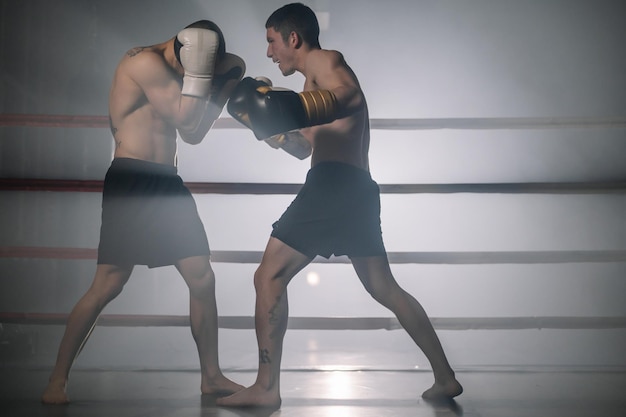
(200,279)
(108,282)
(376,276)
(279,265)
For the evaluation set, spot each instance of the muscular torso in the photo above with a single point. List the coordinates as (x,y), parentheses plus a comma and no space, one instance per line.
(344,140)
(139,131)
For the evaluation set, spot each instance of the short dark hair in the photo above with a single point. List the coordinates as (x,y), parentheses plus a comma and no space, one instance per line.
(296,17)
(203,24)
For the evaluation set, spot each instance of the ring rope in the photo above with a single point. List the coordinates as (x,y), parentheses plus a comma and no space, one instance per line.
(437,258)
(342,323)
(76,121)
(58,185)
(332,323)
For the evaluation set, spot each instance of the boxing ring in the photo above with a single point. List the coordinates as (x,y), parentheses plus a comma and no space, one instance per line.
(254,257)
(504,258)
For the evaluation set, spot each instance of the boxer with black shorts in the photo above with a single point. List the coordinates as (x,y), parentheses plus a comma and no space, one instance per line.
(337,211)
(149,217)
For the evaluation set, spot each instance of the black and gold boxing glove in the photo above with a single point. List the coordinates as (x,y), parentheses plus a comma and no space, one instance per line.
(268,111)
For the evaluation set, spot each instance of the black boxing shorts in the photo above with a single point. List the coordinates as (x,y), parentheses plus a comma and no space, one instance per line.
(337,211)
(149,217)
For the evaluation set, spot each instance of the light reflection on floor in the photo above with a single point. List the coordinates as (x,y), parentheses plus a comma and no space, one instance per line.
(336,393)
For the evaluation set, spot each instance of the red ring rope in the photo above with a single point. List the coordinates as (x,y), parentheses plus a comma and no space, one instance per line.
(59,120)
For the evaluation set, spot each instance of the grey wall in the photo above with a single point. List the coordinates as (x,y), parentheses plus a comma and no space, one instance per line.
(415,59)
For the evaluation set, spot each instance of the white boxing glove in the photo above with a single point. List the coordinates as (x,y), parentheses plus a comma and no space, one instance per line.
(198,54)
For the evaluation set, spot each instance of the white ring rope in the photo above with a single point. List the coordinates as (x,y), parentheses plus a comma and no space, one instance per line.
(334,323)
(484,123)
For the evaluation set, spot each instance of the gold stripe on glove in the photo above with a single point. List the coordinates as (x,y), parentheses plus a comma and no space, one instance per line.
(320,106)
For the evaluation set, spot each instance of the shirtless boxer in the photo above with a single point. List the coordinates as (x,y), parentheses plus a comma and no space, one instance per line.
(337,210)
(149,217)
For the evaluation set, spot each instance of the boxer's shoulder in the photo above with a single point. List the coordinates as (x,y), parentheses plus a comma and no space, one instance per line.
(141,59)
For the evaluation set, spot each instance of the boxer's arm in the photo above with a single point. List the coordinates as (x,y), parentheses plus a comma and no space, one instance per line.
(329,71)
(197,55)
(331,92)
(162,89)
(228,71)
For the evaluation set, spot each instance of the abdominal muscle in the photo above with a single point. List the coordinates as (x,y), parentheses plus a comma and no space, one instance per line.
(142,135)
(344,140)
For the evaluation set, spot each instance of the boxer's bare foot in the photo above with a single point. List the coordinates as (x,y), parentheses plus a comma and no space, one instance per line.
(55,392)
(440,391)
(219,386)
(254,396)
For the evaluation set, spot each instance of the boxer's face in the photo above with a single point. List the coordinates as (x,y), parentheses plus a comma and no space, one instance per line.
(280,52)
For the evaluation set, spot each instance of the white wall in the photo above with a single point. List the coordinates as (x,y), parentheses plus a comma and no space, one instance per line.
(415,59)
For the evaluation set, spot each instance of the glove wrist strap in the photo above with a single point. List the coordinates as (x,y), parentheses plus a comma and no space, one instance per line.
(320,106)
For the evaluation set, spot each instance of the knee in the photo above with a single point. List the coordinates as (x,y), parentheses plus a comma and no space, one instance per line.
(378,294)
(265,281)
(384,294)
(260,280)
(115,289)
(104,296)
(202,284)
(198,275)
(104,291)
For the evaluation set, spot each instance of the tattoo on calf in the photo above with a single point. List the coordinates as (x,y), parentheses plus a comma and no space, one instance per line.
(264,356)
(274,319)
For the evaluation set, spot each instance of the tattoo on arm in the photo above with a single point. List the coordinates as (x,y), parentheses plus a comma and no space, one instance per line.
(135,51)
